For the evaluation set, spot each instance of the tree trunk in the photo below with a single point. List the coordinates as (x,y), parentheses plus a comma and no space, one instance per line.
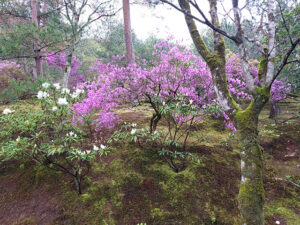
(67,71)
(45,10)
(77,182)
(127,32)
(273,112)
(35,9)
(251,192)
(154,121)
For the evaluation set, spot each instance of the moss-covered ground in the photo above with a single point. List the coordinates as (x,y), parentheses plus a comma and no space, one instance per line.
(135,186)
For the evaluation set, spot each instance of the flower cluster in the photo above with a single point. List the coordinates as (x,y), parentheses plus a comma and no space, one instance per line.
(228,122)
(279,90)
(42,94)
(7,111)
(62,95)
(238,87)
(173,72)
(58,61)
(62,101)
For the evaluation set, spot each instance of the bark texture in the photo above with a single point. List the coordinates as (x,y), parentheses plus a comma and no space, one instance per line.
(127,32)
(68,67)
(35,11)
(251,192)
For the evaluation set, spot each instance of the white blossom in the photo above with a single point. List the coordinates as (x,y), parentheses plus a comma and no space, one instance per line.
(54,108)
(7,111)
(79,91)
(65,91)
(164,103)
(95,148)
(133,131)
(42,94)
(133,125)
(18,139)
(277,222)
(102,146)
(191,101)
(74,95)
(62,101)
(57,86)
(88,151)
(155,132)
(45,85)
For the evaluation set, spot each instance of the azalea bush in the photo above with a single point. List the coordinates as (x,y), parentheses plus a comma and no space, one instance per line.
(49,137)
(238,87)
(173,72)
(10,70)
(14,82)
(57,62)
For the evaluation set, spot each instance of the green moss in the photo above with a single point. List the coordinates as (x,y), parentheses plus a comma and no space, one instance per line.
(251,198)
(245,117)
(247,189)
(263,93)
(262,69)
(27,221)
(221,50)
(86,197)
(248,118)
(282,207)
(159,215)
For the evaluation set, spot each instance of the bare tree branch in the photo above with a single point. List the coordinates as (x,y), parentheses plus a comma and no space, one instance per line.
(204,21)
(271,42)
(285,59)
(284,23)
(241,47)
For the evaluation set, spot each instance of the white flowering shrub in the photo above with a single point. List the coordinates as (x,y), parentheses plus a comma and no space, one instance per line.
(48,137)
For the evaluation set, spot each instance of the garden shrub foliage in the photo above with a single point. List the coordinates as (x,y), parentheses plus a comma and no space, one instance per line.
(48,137)
(71,128)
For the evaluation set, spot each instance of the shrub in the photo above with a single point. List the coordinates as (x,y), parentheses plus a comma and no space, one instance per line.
(48,137)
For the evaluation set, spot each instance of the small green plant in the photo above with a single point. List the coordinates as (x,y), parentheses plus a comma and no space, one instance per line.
(268,133)
(226,142)
(181,115)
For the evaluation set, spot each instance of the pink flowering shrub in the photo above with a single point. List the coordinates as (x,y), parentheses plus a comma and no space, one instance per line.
(58,61)
(236,82)
(279,90)
(173,73)
(179,72)
(10,70)
(238,87)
